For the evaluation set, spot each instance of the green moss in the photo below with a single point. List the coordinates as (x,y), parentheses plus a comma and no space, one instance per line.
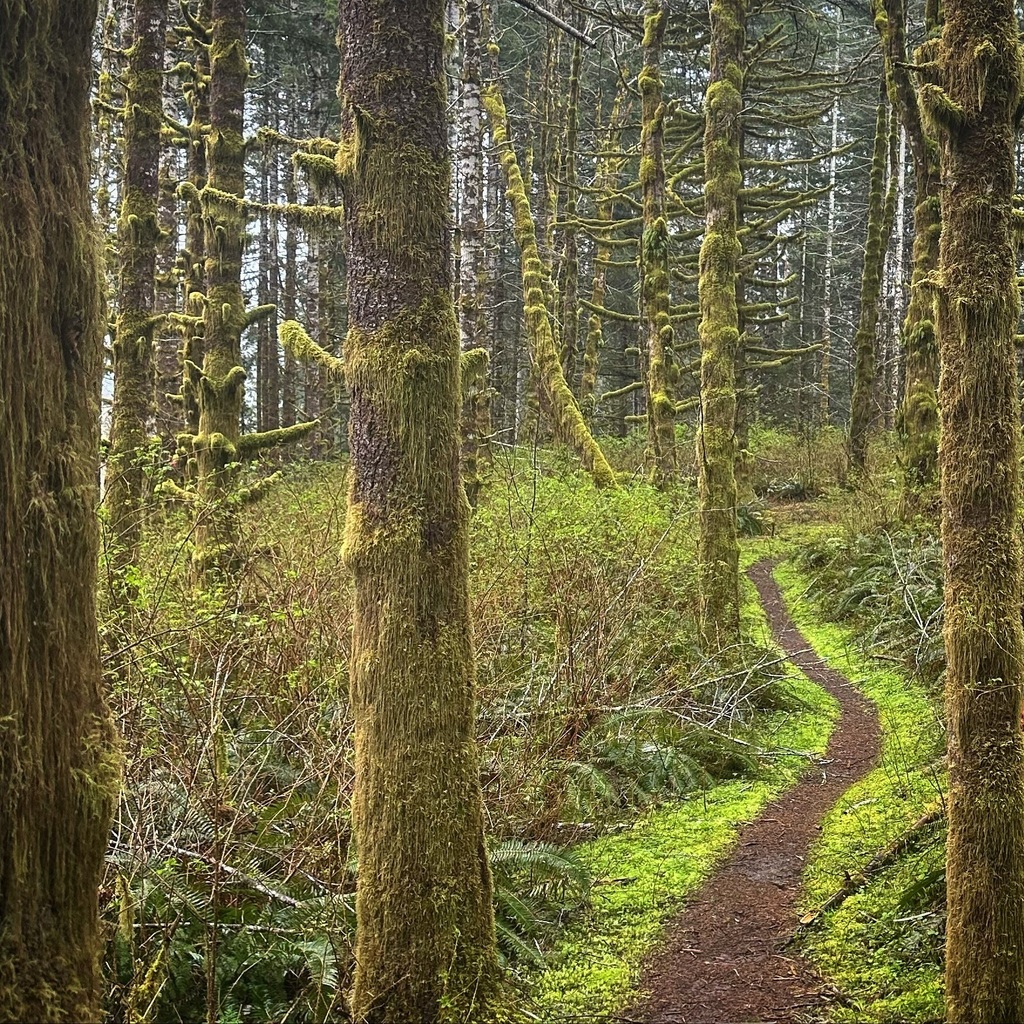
(644,873)
(569,423)
(881,967)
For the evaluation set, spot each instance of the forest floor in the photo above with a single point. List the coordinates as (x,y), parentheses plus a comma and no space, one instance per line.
(725,958)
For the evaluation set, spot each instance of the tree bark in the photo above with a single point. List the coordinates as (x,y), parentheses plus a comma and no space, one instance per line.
(654,254)
(920,413)
(59,769)
(862,404)
(570,426)
(717,546)
(973,105)
(425,945)
(138,234)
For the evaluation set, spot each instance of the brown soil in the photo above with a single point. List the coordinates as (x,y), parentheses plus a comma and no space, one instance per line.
(725,958)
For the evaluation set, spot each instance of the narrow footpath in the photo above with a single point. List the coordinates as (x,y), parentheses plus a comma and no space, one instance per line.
(725,958)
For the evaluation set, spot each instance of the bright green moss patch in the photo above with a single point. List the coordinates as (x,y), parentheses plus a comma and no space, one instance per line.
(881,947)
(643,873)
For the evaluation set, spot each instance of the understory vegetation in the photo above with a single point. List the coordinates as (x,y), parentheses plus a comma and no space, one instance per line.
(618,761)
(231,870)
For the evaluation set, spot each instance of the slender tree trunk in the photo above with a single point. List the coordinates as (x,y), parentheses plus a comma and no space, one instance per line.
(570,426)
(717,546)
(59,770)
(975,103)
(825,371)
(605,182)
(289,306)
(862,404)
(194,284)
(425,946)
(569,270)
(920,414)
(654,254)
(220,387)
(138,234)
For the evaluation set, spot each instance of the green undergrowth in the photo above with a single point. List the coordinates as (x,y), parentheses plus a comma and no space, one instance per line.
(643,872)
(881,948)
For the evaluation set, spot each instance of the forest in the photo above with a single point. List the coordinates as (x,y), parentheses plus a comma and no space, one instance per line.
(510,512)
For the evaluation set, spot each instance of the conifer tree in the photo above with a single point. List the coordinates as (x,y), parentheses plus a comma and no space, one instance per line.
(58,765)
(862,405)
(425,944)
(654,253)
(717,546)
(973,101)
(920,413)
(138,233)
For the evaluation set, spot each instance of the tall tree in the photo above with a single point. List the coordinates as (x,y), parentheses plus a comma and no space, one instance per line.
(570,426)
(58,766)
(138,233)
(717,546)
(920,405)
(974,102)
(862,405)
(654,254)
(425,945)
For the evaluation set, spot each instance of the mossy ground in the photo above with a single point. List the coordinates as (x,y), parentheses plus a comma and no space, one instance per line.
(881,947)
(644,872)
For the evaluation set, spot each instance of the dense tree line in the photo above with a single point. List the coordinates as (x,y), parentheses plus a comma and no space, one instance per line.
(512,226)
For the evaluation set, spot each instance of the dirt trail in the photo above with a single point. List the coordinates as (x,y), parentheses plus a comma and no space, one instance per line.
(724,959)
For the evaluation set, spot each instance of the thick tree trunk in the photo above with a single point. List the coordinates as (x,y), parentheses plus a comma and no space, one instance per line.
(425,946)
(654,254)
(138,234)
(717,546)
(974,104)
(58,763)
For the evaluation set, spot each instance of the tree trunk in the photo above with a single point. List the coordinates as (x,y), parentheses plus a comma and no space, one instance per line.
(220,386)
(194,284)
(975,106)
(138,233)
(717,546)
(654,255)
(58,764)
(425,945)
(920,414)
(862,404)
(570,426)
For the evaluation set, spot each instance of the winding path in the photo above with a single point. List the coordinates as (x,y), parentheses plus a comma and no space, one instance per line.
(724,959)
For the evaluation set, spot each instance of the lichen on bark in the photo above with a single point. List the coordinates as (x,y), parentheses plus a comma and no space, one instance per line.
(978,76)
(717,546)
(425,945)
(59,767)
(570,426)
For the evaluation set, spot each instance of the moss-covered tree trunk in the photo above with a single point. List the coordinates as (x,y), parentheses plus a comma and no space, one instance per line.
(862,405)
(138,233)
(974,104)
(219,447)
(717,546)
(570,426)
(605,181)
(220,387)
(425,946)
(654,255)
(197,93)
(920,414)
(569,268)
(58,767)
